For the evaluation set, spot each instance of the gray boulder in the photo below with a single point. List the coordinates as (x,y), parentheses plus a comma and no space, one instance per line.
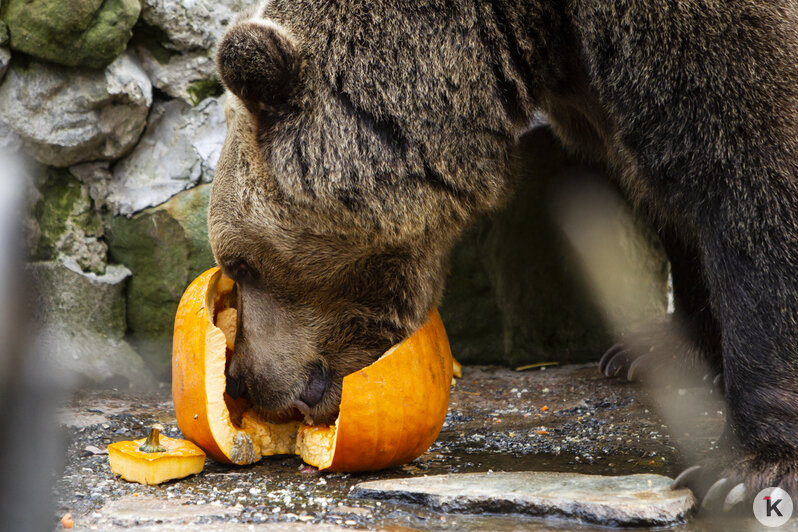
(81,319)
(190,76)
(191,25)
(67,116)
(179,149)
(177,51)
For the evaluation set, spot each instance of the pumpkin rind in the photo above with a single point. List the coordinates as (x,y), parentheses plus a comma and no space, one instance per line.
(391,411)
(406,395)
(198,379)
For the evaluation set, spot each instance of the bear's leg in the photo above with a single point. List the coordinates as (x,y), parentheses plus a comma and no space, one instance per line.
(686,342)
(750,253)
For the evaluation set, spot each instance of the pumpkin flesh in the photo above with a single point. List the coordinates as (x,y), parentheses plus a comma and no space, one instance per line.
(180,459)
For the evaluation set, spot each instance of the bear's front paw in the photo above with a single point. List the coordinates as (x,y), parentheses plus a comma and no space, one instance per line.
(730,480)
(658,352)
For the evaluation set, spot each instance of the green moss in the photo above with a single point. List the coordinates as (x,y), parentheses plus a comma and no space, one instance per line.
(71,32)
(68,222)
(205,88)
(60,194)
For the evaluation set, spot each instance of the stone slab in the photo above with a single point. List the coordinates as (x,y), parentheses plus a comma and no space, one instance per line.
(631,500)
(81,324)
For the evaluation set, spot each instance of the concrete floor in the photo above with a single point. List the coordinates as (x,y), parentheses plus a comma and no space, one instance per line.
(567,418)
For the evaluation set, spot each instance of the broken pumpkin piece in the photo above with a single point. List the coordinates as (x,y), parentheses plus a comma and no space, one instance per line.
(226,320)
(155,459)
(390,411)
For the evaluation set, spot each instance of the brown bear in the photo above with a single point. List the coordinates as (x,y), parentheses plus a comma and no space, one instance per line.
(364,136)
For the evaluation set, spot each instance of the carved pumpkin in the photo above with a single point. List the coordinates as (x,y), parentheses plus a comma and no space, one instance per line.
(390,412)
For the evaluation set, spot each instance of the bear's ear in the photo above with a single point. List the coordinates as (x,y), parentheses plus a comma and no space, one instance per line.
(259,63)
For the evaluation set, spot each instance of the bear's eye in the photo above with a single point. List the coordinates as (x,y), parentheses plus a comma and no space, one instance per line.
(240,271)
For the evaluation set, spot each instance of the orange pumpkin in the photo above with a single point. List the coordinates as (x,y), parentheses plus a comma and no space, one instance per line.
(390,412)
(155,459)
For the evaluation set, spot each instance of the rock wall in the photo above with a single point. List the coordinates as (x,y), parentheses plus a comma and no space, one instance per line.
(117,107)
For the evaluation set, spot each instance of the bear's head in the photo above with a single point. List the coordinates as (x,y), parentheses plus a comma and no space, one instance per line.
(361,140)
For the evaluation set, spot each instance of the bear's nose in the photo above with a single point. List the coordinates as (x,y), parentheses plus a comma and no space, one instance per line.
(235,388)
(316,385)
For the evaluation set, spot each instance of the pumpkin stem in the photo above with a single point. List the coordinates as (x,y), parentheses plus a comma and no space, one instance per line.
(153,442)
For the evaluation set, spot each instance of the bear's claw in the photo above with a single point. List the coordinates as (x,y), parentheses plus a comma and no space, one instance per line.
(618,364)
(608,355)
(683,479)
(725,481)
(716,493)
(658,352)
(618,360)
(640,366)
(736,495)
(718,496)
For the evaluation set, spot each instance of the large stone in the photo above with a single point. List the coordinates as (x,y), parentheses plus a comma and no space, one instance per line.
(179,149)
(67,116)
(67,223)
(82,323)
(190,76)
(176,43)
(517,294)
(89,33)
(165,247)
(192,25)
(622,501)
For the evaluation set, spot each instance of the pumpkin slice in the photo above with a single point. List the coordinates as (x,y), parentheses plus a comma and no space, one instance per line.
(155,459)
(390,412)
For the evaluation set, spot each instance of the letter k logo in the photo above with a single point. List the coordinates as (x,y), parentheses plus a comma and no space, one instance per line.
(772,506)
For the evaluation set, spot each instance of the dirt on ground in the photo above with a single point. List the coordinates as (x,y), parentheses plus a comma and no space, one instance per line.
(568,418)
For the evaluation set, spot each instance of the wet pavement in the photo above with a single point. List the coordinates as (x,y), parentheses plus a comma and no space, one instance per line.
(560,419)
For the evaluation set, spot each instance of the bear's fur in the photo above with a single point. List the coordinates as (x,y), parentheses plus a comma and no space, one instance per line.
(364,136)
